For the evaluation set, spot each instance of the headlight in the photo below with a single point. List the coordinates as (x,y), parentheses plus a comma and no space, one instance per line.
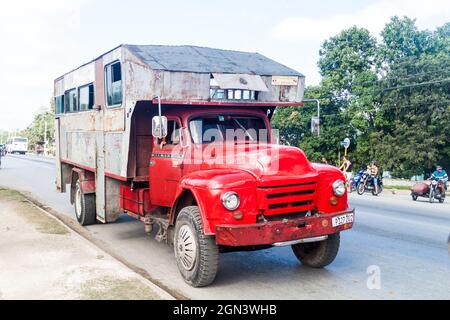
(230,200)
(339,188)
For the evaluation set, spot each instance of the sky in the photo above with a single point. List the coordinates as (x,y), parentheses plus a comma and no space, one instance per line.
(41,40)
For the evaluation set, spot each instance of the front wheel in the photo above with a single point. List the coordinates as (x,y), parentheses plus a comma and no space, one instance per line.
(414,197)
(197,255)
(361,188)
(431,199)
(318,254)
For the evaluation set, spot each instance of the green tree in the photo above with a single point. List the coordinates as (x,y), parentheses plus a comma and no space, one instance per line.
(391,98)
(413,132)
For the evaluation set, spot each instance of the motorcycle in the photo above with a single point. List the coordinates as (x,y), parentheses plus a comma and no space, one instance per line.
(356,179)
(434,190)
(366,184)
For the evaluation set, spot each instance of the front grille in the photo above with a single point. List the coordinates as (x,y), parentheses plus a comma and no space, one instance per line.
(287,199)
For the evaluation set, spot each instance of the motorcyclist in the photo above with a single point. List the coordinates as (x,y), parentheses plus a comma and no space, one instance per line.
(373,171)
(440,175)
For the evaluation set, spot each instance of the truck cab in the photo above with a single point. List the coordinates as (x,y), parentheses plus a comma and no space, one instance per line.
(187,148)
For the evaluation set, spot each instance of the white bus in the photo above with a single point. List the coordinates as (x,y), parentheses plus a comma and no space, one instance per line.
(17,145)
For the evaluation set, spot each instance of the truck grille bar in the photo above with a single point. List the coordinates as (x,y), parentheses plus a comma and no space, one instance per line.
(286,199)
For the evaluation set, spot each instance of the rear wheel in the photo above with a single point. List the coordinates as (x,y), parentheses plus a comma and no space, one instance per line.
(318,254)
(84,206)
(197,255)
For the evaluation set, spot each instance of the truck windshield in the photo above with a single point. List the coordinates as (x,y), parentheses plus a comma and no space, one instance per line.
(237,128)
(20,140)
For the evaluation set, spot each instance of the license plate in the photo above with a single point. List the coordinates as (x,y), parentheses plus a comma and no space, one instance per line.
(343,219)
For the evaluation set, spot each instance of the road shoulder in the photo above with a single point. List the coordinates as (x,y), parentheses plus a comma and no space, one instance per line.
(41,258)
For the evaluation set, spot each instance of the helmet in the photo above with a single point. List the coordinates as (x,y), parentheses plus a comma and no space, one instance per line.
(438,167)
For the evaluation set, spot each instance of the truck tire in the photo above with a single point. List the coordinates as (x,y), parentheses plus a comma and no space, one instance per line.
(84,206)
(318,254)
(198,259)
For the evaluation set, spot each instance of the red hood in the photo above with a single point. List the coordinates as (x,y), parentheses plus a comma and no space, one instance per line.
(270,164)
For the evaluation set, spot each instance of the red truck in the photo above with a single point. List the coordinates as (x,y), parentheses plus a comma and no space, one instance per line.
(179,137)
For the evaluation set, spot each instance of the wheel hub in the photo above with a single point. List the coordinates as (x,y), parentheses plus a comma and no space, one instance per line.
(186,247)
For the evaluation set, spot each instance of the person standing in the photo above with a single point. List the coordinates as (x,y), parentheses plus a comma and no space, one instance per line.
(345,168)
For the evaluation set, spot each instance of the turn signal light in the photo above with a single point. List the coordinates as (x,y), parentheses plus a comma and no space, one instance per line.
(238,215)
(333,201)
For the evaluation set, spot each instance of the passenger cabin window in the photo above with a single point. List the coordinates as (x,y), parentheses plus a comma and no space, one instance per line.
(59,104)
(70,101)
(86,97)
(113,84)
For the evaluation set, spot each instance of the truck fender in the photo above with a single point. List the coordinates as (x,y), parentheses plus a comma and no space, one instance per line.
(187,195)
(87,181)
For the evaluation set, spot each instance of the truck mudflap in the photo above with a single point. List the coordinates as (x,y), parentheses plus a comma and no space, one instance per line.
(277,233)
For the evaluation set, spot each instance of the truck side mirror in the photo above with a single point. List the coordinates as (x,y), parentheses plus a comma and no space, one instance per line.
(159,127)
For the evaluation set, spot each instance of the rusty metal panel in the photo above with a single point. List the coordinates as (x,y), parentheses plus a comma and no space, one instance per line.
(79,77)
(282,93)
(100,176)
(81,148)
(113,152)
(99,84)
(59,87)
(186,86)
(114,119)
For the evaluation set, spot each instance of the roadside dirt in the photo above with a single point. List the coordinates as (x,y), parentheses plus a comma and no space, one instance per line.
(40,258)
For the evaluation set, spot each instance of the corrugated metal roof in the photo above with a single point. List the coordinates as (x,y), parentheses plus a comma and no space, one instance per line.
(208,60)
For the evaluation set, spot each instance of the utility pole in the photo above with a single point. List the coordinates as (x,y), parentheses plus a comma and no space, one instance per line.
(318,112)
(45,137)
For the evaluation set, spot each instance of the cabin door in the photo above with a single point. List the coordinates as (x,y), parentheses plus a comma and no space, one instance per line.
(166,165)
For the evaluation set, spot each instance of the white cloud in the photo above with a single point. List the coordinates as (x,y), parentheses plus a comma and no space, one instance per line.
(301,36)
(429,14)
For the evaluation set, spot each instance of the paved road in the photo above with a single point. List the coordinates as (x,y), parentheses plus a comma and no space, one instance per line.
(405,242)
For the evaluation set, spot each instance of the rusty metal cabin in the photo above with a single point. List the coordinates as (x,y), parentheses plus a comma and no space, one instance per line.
(104,107)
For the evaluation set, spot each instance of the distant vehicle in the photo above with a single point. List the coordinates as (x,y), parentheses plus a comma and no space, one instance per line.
(434,190)
(356,179)
(366,184)
(39,148)
(17,145)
